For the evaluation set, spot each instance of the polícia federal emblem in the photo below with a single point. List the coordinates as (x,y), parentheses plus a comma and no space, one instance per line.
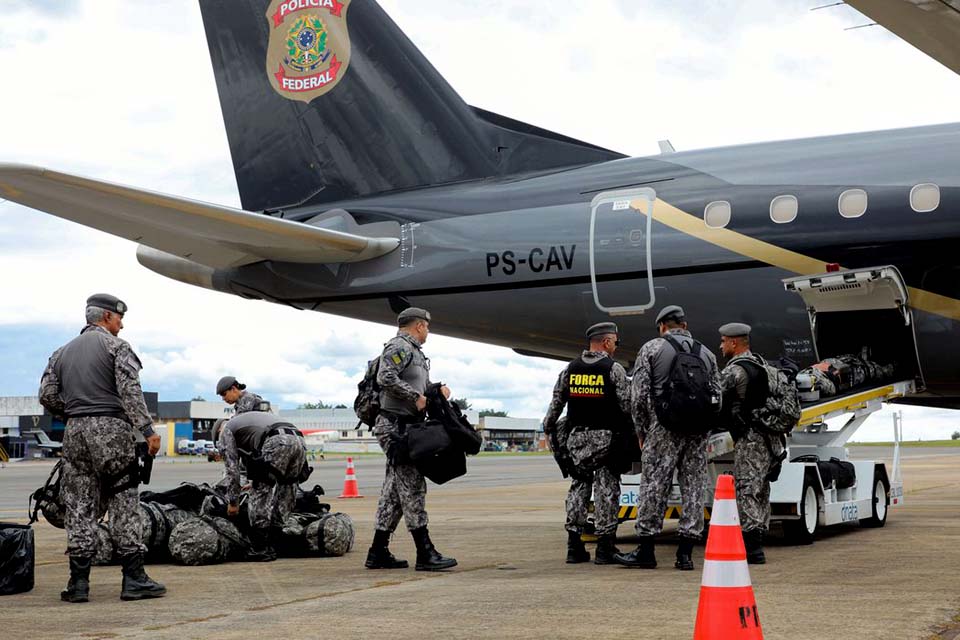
(309,48)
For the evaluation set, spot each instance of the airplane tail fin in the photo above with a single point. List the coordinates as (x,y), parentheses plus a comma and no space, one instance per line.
(327,100)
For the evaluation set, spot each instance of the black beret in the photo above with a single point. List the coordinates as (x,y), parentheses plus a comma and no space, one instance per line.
(672,312)
(413,312)
(602,329)
(108,302)
(735,330)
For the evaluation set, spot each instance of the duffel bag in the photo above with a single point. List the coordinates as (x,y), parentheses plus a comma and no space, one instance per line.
(427,439)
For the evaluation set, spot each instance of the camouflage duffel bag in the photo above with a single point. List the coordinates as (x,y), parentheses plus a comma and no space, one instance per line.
(202,540)
(331,534)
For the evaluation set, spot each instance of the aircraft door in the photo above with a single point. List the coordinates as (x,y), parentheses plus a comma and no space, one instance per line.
(621,260)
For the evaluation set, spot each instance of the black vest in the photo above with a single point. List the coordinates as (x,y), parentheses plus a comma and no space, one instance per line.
(250,429)
(758,386)
(592,395)
(88,383)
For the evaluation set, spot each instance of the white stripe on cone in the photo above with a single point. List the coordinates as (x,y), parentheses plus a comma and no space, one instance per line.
(725,513)
(725,573)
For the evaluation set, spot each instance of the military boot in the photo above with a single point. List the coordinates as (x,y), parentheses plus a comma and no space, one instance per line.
(606,550)
(753,541)
(428,558)
(78,587)
(379,556)
(137,585)
(684,555)
(576,552)
(643,557)
(260,548)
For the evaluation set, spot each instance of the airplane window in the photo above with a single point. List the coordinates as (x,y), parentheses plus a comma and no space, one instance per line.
(716,215)
(784,209)
(853,203)
(925,197)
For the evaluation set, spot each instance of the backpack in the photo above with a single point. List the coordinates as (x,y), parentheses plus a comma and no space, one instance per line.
(687,403)
(367,403)
(780,413)
(47,499)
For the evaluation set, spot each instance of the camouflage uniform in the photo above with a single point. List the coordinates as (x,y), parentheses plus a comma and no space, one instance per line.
(268,504)
(754,452)
(664,451)
(587,445)
(404,491)
(248,401)
(97,449)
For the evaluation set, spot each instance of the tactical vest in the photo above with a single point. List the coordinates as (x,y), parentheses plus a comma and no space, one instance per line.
(417,375)
(592,395)
(757,383)
(88,384)
(250,429)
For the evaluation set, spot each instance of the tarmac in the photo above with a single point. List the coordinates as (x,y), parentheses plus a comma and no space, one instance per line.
(504,523)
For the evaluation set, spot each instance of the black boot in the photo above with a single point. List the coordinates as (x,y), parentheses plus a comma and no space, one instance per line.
(428,558)
(260,548)
(643,557)
(684,555)
(753,541)
(137,585)
(576,552)
(379,556)
(606,551)
(78,587)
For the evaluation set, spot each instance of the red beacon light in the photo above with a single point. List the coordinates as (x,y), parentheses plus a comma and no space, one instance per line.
(833,267)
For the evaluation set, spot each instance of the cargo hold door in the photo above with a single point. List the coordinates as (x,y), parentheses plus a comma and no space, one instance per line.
(861,308)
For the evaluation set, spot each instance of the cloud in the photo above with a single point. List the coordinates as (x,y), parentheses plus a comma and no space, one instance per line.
(617,73)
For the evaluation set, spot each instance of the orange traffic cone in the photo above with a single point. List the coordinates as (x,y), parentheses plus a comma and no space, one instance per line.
(350,488)
(727,608)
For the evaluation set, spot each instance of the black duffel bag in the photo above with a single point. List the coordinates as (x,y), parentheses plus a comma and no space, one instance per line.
(16,558)
(834,470)
(464,435)
(427,439)
(434,452)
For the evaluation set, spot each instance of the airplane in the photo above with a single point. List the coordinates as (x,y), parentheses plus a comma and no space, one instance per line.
(45,443)
(368,185)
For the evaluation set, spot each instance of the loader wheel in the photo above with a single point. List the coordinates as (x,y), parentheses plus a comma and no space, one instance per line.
(878,515)
(804,529)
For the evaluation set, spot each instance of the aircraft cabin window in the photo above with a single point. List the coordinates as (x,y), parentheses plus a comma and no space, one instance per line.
(925,197)
(783,209)
(716,215)
(852,203)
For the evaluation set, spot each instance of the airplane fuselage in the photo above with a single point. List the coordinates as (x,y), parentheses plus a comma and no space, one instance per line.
(507,261)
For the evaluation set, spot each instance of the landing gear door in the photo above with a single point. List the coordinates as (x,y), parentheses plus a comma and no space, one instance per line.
(861,309)
(621,259)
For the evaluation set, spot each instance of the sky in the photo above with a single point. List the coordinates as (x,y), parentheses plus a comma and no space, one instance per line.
(124,91)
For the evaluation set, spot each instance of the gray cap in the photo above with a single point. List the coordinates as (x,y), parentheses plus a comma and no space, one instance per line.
(672,312)
(735,330)
(108,302)
(226,382)
(602,329)
(411,313)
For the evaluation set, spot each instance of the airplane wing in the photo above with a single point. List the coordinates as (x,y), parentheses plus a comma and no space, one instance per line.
(933,26)
(208,234)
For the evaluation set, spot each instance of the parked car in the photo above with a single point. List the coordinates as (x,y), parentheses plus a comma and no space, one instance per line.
(186,447)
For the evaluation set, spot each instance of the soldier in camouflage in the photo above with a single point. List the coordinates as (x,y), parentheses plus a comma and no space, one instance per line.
(664,451)
(596,393)
(274,455)
(745,387)
(94,383)
(235,393)
(403,378)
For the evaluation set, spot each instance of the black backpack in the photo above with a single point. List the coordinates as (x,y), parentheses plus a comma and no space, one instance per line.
(687,403)
(367,403)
